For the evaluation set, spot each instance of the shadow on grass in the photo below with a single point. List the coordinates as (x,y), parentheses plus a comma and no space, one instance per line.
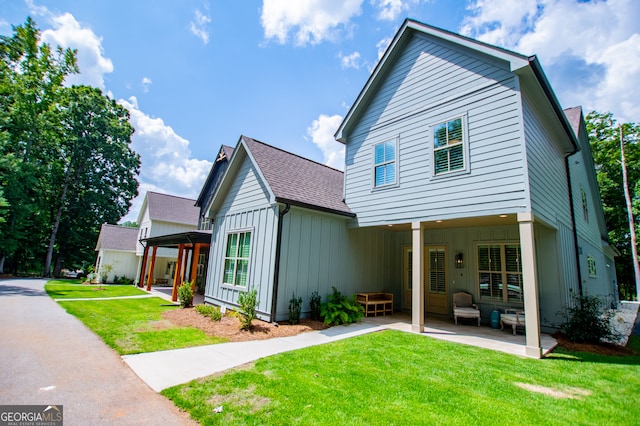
(629,355)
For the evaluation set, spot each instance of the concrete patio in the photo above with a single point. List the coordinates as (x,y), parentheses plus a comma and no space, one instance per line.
(468,334)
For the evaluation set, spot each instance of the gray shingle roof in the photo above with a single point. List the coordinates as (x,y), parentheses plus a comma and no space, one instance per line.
(573,115)
(169,208)
(116,237)
(298,180)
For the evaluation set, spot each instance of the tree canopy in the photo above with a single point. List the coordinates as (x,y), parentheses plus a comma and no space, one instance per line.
(604,138)
(66,165)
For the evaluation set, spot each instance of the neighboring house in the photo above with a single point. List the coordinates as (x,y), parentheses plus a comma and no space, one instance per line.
(462,173)
(162,215)
(188,246)
(116,249)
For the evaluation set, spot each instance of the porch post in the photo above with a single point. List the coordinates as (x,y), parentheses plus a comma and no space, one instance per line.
(177,274)
(194,266)
(530,283)
(151,268)
(145,255)
(417,279)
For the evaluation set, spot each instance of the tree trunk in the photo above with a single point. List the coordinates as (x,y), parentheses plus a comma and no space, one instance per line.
(54,231)
(2,258)
(632,228)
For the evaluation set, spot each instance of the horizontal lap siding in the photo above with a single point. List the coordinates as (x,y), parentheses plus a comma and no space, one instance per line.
(246,207)
(547,170)
(432,82)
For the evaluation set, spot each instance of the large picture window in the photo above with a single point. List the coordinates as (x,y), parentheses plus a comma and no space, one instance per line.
(384,163)
(448,146)
(500,272)
(236,259)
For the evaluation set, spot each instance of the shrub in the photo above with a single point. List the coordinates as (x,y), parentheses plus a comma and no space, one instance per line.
(185,294)
(339,309)
(210,311)
(248,302)
(314,304)
(588,321)
(295,306)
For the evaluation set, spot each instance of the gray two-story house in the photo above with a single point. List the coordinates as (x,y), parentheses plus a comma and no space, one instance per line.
(462,173)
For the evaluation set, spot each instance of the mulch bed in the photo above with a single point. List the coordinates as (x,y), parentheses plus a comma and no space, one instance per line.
(607,349)
(229,327)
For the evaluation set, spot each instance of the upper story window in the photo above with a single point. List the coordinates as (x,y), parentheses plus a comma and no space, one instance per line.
(449,146)
(384,164)
(585,205)
(236,259)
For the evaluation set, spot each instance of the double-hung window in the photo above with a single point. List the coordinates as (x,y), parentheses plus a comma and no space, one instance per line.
(500,272)
(236,259)
(591,267)
(449,146)
(384,164)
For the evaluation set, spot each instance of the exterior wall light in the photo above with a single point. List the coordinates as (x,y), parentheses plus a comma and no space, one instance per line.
(459,262)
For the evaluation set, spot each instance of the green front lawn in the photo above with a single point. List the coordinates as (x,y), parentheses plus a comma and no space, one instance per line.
(73,289)
(392,377)
(135,325)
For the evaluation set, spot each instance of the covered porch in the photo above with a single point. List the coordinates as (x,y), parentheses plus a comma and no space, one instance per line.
(191,264)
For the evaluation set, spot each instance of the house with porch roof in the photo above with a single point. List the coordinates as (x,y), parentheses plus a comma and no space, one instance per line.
(462,173)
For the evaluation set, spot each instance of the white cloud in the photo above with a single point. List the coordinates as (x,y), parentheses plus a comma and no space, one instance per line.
(382,46)
(199,24)
(350,61)
(146,82)
(321,132)
(68,33)
(590,50)
(309,21)
(389,10)
(167,165)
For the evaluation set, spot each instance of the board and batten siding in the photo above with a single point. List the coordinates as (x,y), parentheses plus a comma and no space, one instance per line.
(319,252)
(433,81)
(548,181)
(246,207)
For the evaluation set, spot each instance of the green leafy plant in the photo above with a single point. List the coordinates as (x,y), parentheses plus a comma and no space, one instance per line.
(295,307)
(210,311)
(185,294)
(588,321)
(339,309)
(314,303)
(248,302)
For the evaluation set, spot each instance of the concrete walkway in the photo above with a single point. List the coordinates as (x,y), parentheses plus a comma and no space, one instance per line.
(49,357)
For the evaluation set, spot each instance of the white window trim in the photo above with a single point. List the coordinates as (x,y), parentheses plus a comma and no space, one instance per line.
(505,294)
(224,257)
(393,184)
(465,147)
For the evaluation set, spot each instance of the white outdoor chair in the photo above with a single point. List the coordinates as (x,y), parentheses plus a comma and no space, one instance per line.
(464,307)
(512,317)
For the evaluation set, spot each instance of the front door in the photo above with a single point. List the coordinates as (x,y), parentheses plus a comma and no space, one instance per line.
(407,277)
(435,261)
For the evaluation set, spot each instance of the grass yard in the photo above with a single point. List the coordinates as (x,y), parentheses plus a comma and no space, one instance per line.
(135,325)
(396,378)
(74,289)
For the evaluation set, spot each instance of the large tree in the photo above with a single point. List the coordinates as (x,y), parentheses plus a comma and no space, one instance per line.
(95,169)
(66,165)
(31,77)
(604,137)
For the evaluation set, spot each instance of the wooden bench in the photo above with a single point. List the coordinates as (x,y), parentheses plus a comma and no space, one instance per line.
(376,303)
(161,281)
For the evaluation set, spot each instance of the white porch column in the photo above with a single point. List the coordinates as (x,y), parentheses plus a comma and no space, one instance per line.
(530,285)
(417,279)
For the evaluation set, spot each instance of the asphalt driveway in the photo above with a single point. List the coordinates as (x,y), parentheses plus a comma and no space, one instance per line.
(50,357)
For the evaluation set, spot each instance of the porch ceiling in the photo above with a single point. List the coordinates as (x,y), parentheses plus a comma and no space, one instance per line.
(480,221)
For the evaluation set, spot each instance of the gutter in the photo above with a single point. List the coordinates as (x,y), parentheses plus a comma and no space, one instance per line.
(276,269)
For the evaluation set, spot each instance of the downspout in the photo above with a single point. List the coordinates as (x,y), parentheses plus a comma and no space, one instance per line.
(573,221)
(276,268)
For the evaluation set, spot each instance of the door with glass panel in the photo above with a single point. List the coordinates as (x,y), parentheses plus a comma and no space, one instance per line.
(436,295)
(407,277)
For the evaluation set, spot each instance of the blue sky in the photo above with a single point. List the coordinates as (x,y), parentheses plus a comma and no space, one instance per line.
(197,74)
